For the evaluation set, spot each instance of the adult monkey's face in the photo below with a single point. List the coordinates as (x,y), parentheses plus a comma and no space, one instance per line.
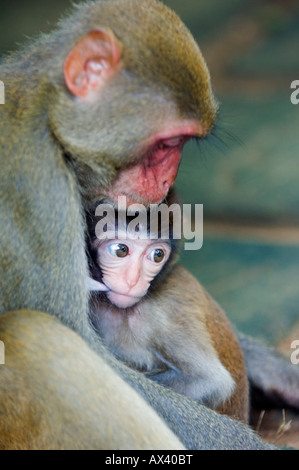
(144,92)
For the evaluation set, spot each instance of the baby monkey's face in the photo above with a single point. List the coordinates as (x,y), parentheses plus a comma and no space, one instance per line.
(128,267)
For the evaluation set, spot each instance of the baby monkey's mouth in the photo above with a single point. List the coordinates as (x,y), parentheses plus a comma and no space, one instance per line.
(118,299)
(122,300)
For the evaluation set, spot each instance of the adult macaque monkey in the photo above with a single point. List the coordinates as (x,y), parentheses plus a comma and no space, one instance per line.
(179,338)
(101,106)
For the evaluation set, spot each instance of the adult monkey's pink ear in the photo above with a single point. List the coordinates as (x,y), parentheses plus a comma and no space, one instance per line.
(92,62)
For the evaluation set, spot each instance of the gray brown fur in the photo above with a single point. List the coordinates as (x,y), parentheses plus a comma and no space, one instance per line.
(48,169)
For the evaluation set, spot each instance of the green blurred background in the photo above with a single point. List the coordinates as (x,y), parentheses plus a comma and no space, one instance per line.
(247,175)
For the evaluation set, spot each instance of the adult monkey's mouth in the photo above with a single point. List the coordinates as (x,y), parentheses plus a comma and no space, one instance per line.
(147,181)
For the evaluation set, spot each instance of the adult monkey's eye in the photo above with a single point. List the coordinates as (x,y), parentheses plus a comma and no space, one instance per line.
(156,255)
(173,143)
(118,249)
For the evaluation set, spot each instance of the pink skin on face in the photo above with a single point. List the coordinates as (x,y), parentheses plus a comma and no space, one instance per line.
(149,180)
(129,266)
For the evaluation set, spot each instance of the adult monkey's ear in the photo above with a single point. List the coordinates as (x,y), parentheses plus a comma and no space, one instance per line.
(92,62)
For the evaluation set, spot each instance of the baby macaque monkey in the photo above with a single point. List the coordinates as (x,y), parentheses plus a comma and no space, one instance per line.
(145,321)
(129,266)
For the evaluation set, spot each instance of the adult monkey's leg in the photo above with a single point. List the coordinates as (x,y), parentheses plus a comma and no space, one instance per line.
(56,393)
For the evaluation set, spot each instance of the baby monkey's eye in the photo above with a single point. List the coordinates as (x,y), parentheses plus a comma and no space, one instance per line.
(156,255)
(119,250)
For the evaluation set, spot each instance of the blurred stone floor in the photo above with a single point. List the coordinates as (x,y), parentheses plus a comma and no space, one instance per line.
(246,175)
